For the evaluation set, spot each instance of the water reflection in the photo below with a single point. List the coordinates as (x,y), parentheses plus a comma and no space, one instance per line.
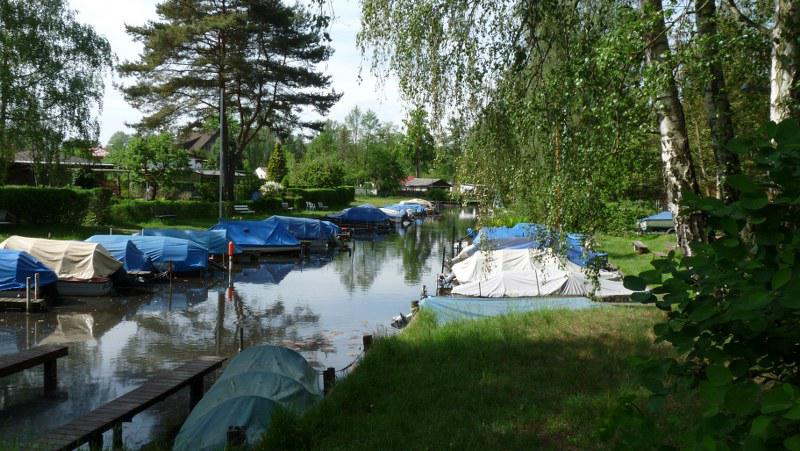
(320,307)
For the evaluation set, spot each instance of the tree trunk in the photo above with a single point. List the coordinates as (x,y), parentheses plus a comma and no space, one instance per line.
(718,107)
(679,174)
(784,74)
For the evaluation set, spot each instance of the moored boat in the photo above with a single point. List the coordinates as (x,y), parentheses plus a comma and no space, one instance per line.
(262,237)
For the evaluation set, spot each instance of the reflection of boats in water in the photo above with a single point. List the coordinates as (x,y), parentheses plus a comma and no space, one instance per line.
(72,328)
(266,273)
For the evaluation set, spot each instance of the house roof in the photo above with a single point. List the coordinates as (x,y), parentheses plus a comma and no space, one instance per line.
(420,181)
(199,143)
(25,157)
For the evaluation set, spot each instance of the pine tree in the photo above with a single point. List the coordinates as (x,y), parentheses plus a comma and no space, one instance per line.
(276,168)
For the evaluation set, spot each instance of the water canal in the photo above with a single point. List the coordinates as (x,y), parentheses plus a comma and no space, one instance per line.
(320,307)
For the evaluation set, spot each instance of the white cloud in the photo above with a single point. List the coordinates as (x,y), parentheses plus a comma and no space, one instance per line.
(109,19)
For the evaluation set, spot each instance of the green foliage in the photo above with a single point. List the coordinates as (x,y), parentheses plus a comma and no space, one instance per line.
(53,205)
(419,145)
(384,170)
(333,197)
(153,159)
(733,306)
(620,217)
(137,211)
(322,172)
(276,169)
(51,77)
(99,208)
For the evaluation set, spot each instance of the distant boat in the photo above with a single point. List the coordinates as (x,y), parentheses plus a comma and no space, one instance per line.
(317,232)
(362,217)
(659,221)
(397,216)
(260,236)
(216,241)
(16,267)
(134,261)
(83,269)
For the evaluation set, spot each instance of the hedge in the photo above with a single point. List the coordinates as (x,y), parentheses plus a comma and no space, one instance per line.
(332,197)
(621,216)
(134,211)
(69,206)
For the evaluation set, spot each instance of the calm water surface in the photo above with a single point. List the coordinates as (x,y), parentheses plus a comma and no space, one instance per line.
(320,307)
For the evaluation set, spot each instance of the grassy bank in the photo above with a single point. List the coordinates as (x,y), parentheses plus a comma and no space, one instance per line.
(531,381)
(621,254)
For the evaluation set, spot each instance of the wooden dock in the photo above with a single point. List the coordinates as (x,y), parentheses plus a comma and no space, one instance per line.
(40,355)
(7,304)
(90,427)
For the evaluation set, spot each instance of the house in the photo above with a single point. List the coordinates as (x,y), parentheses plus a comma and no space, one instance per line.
(422,185)
(198,147)
(21,171)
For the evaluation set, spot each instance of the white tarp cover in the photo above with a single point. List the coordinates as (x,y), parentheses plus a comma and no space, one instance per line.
(483,264)
(70,260)
(423,202)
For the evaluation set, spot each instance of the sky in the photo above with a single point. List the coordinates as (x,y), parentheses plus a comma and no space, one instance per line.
(109,19)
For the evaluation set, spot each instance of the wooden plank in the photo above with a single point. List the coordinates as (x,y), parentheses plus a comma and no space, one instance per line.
(14,363)
(83,429)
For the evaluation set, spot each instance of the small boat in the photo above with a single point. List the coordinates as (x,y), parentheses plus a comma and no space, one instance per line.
(659,221)
(396,216)
(83,269)
(216,241)
(166,253)
(263,237)
(317,233)
(134,261)
(363,218)
(16,267)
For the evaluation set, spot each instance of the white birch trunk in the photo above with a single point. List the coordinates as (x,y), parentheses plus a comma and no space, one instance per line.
(785,60)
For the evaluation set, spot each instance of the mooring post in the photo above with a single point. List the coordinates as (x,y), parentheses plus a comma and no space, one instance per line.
(367,340)
(195,391)
(27,295)
(328,380)
(50,376)
(96,442)
(415,307)
(116,440)
(110,230)
(36,286)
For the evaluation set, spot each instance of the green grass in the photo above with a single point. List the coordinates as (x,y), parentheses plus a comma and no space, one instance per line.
(531,381)
(380,201)
(621,254)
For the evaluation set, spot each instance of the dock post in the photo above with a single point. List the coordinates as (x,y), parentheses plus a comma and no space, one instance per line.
(27,295)
(414,307)
(96,442)
(36,286)
(236,436)
(50,376)
(195,391)
(367,339)
(328,379)
(110,230)
(116,441)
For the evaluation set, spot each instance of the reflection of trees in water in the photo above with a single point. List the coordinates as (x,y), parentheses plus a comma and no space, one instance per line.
(415,249)
(361,267)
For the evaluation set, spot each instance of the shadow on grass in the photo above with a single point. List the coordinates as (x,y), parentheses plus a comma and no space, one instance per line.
(534,381)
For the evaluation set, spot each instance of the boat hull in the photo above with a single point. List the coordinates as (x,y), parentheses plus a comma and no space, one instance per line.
(77,288)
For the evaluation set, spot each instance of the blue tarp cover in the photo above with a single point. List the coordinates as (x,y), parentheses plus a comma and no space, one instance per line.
(449,309)
(184,255)
(363,214)
(307,229)
(257,233)
(216,241)
(520,230)
(16,266)
(266,273)
(132,258)
(416,208)
(661,216)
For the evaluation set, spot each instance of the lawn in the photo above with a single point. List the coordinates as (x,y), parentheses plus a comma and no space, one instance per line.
(530,381)
(621,254)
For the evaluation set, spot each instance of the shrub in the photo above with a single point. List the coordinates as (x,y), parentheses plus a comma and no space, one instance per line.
(32,205)
(621,216)
(99,208)
(133,211)
(333,197)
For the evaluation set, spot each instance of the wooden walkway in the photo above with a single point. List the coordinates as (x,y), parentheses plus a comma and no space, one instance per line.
(40,355)
(37,305)
(90,427)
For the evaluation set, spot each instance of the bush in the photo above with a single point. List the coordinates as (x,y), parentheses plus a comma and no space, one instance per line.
(133,211)
(332,197)
(99,208)
(621,216)
(32,205)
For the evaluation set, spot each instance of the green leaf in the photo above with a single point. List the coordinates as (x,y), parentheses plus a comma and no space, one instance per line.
(740,399)
(634,283)
(777,399)
(755,203)
(741,183)
(760,425)
(793,413)
(719,375)
(793,443)
(781,277)
(738,146)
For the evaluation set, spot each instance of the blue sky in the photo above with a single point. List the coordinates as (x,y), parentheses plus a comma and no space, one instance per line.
(109,17)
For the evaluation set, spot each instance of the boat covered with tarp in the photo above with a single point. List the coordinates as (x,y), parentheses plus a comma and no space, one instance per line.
(17,266)
(659,221)
(269,273)
(414,209)
(134,261)
(259,236)
(308,229)
(454,308)
(396,216)
(83,269)
(216,241)
(255,384)
(364,216)
(167,253)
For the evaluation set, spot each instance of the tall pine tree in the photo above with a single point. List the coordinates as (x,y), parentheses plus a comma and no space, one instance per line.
(260,54)
(276,168)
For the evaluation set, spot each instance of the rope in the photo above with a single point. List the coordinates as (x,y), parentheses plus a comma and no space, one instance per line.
(349,365)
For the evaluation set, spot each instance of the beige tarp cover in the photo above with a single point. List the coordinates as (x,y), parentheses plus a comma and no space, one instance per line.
(75,260)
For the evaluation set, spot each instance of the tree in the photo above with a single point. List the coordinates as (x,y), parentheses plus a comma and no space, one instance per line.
(384,170)
(119,140)
(259,54)
(276,169)
(51,69)
(319,172)
(419,141)
(153,159)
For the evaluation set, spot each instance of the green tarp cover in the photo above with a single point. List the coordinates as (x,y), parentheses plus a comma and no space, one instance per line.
(210,431)
(275,360)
